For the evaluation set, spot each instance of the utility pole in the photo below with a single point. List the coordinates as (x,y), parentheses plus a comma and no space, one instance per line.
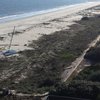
(11,38)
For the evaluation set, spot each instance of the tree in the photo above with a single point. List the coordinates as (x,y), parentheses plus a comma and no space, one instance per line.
(93,55)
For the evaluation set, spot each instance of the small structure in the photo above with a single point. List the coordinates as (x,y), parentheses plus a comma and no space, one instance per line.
(9,52)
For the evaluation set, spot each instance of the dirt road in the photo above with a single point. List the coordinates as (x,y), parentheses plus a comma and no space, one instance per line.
(70,70)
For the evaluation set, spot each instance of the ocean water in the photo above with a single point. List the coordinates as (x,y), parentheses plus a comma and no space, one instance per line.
(14,9)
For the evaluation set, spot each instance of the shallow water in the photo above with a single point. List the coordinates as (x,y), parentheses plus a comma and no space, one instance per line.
(12,9)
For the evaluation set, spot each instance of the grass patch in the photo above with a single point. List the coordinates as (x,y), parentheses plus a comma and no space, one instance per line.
(67,55)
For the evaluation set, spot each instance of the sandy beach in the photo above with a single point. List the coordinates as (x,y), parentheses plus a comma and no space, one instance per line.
(32,28)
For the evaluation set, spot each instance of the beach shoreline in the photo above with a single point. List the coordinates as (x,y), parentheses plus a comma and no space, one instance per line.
(32,28)
(9,18)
